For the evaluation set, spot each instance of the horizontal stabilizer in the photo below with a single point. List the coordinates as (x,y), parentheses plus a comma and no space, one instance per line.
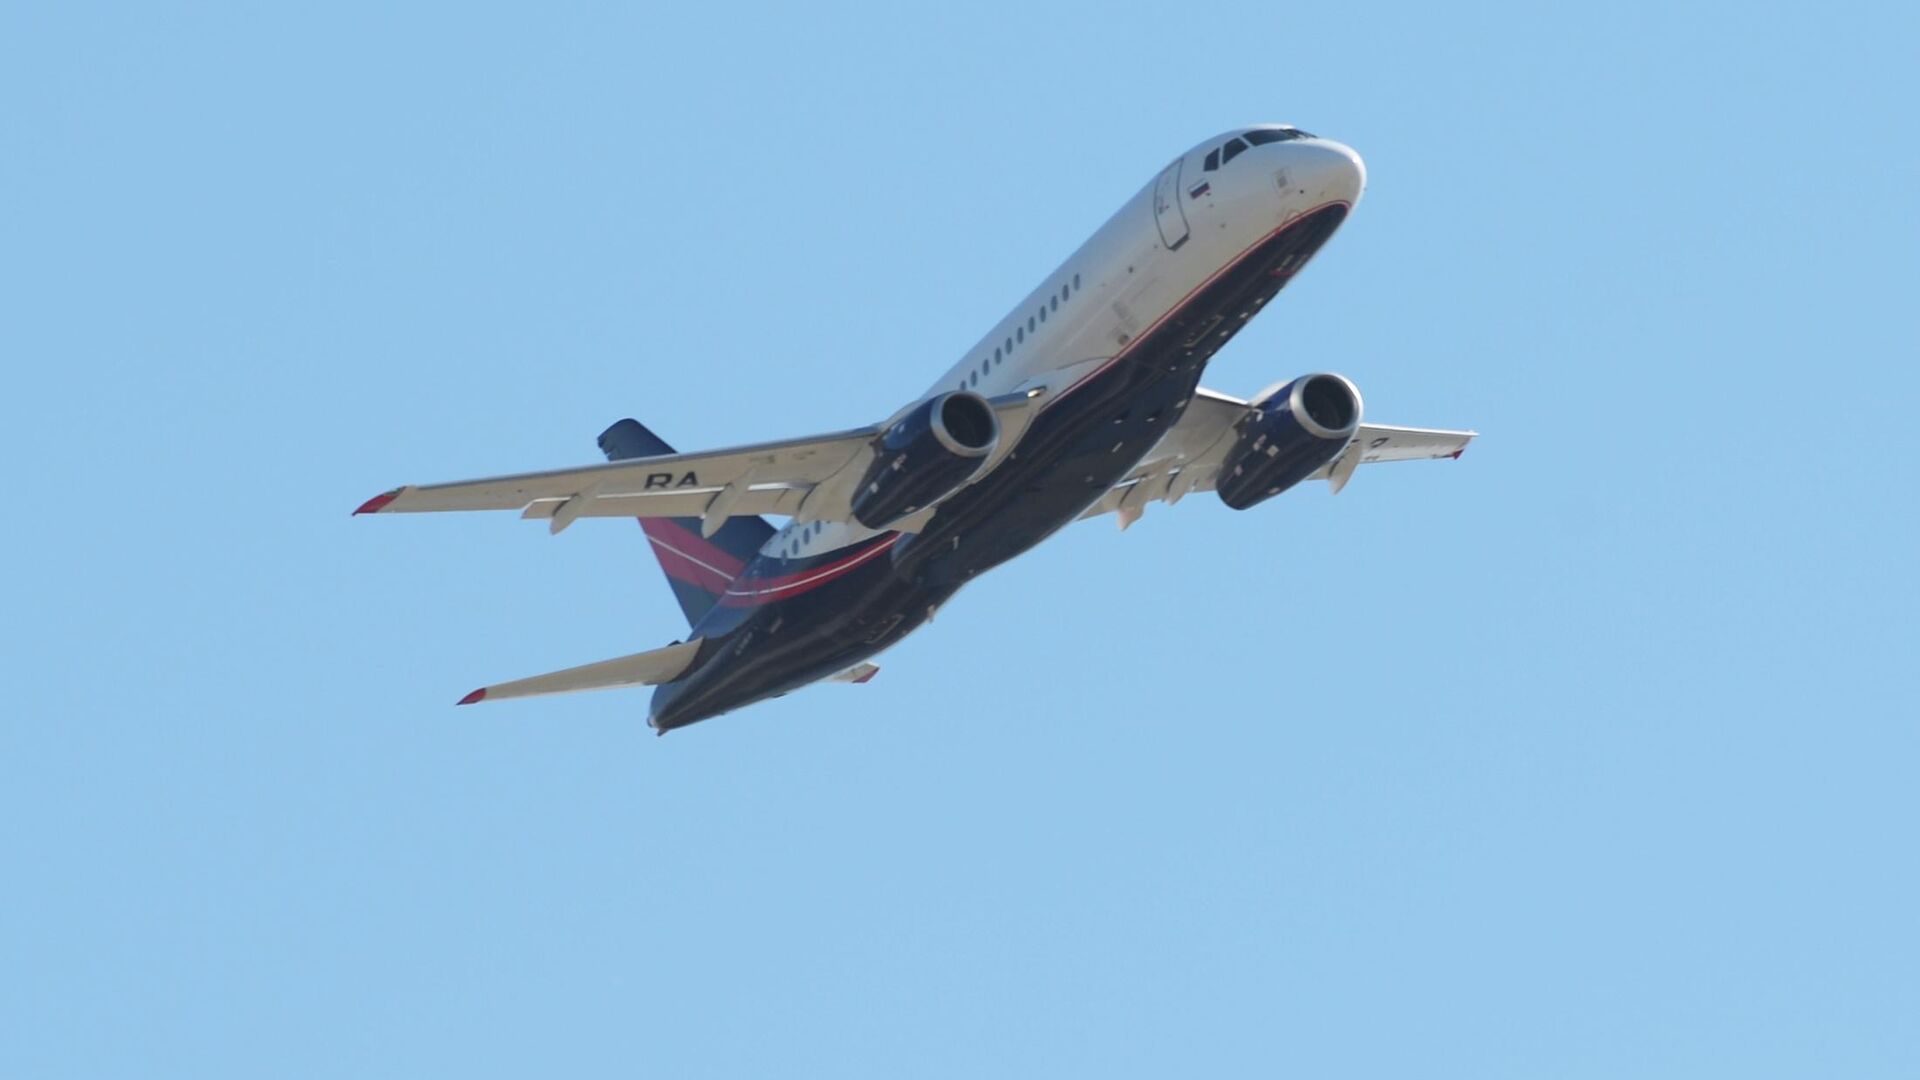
(640,669)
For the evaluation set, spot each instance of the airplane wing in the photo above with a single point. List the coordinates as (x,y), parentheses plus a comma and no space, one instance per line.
(811,478)
(1189,457)
(649,668)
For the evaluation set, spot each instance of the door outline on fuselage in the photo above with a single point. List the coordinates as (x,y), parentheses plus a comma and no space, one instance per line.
(1168,214)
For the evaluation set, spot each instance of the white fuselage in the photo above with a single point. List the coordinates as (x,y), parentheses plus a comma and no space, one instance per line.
(1175,235)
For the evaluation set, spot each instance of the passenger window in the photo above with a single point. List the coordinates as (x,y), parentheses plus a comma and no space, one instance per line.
(1063,292)
(996,354)
(983,367)
(1009,346)
(1029,322)
(1076,283)
(1019,334)
(1213,160)
(1043,313)
(1054,303)
(1231,150)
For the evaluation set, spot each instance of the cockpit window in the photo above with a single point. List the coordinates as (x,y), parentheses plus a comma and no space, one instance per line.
(1232,148)
(1263,136)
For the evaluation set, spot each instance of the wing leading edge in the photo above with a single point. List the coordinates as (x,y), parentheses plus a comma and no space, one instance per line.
(810,478)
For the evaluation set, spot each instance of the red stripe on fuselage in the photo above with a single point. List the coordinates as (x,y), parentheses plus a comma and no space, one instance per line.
(749,592)
(852,551)
(1187,299)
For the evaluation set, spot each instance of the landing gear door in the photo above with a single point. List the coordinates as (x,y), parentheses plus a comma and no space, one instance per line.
(1167,212)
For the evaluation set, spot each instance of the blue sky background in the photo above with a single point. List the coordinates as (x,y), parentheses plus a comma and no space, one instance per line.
(1590,755)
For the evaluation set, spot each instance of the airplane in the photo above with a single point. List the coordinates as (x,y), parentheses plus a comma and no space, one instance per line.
(1083,401)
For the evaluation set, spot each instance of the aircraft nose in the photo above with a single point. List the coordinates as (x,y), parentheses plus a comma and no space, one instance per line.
(1324,169)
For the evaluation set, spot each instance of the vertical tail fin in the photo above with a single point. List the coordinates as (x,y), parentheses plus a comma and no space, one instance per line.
(699,568)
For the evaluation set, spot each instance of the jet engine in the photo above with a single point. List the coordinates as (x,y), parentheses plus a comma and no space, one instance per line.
(1289,431)
(926,455)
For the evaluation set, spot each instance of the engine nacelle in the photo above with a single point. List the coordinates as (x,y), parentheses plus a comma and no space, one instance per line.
(927,455)
(1290,431)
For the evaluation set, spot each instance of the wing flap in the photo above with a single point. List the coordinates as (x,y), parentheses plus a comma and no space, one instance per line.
(641,669)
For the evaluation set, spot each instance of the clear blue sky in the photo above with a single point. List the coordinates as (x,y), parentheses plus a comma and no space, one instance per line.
(1590,755)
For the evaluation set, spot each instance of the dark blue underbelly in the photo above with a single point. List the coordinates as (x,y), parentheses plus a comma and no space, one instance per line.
(1083,442)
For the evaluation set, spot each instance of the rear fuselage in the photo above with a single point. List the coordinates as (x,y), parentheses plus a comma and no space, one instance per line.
(1115,340)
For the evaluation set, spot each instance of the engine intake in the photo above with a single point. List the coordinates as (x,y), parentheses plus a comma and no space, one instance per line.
(1290,431)
(927,455)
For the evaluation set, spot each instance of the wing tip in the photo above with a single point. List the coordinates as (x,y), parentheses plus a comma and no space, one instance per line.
(477,695)
(377,503)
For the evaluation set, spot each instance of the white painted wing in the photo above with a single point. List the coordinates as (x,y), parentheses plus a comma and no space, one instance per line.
(1378,442)
(1188,458)
(670,478)
(641,669)
(812,478)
